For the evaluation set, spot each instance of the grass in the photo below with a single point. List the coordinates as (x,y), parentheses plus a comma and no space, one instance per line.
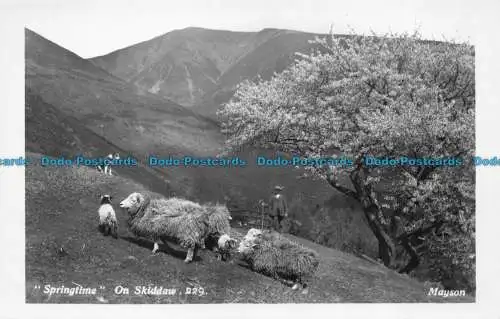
(63,247)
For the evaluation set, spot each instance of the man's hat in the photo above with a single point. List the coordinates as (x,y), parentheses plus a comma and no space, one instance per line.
(278,188)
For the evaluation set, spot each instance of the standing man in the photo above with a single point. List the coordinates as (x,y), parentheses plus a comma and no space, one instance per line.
(278,207)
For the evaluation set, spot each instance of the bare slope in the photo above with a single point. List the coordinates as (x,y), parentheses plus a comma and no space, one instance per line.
(182,64)
(63,247)
(197,67)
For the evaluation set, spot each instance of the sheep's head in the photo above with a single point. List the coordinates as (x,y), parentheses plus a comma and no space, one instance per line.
(247,247)
(226,242)
(106,199)
(133,201)
(231,243)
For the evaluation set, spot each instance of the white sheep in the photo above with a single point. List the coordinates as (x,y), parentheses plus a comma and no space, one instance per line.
(107,217)
(175,219)
(106,167)
(224,246)
(274,255)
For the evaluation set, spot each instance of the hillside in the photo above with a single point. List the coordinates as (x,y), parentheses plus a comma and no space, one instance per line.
(50,132)
(140,125)
(74,107)
(272,56)
(70,91)
(111,107)
(200,67)
(63,247)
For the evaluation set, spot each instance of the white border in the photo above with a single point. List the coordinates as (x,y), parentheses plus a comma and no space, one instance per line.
(12,236)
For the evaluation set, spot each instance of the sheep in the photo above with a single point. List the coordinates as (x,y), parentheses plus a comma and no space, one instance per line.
(106,167)
(107,217)
(224,246)
(218,220)
(274,255)
(174,219)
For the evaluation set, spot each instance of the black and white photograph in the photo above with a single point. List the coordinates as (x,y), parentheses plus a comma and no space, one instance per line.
(250,152)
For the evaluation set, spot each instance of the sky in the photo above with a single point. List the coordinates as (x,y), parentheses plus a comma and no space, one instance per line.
(91,27)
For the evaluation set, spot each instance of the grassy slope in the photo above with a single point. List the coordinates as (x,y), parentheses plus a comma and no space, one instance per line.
(61,212)
(139,125)
(50,132)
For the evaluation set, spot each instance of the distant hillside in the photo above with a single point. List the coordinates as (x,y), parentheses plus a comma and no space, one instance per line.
(142,125)
(63,247)
(111,107)
(200,67)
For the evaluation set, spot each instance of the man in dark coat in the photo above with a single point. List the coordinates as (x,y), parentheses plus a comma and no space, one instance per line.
(278,207)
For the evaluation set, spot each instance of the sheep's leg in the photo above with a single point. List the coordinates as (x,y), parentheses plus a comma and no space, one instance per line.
(106,230)
(156,247)
(190,255)
(224,256)
(114,232)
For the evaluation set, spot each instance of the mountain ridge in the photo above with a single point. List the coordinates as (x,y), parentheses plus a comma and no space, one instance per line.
(188,65)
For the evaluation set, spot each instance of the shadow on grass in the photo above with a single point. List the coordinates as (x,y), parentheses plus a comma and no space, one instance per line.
(164,248)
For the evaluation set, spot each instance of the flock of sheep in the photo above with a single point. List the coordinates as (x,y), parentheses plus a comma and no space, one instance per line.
(194,226)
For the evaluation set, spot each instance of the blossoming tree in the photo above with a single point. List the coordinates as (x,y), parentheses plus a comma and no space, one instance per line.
(390,96)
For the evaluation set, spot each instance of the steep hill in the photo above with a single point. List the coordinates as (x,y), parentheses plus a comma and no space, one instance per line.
(270,57)
(198,67)
(143,125)
(111,107)
(181,65)
(50,132)
(63,247)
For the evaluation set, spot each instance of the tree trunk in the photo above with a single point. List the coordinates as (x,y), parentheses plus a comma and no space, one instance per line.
(414,259)
(387,244)
(373,214)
